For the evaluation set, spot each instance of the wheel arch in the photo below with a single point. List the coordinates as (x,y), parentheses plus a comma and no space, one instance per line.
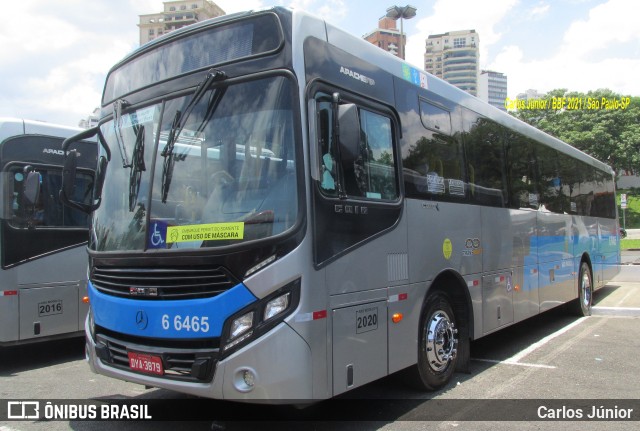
(586,258)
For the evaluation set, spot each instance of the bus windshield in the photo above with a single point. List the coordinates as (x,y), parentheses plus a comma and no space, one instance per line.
(225,176)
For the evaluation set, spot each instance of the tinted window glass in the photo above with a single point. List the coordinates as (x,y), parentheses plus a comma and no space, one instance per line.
(435,118)
(486,164)
(604,198)
(520,172)
(568,168)
(434,165)
(375,168)
(550,182)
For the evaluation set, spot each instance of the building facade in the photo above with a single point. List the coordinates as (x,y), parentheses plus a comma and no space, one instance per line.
(454,56)
(176,14)
(91,120)
(492,88)
(387,37)
(530,94)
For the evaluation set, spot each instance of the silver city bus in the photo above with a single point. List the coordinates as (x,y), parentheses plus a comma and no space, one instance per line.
(42,242)
(289,212)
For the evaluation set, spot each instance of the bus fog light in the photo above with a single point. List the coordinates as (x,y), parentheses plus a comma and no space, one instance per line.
(276,306)
(249,378)
(244,379)
(241,325)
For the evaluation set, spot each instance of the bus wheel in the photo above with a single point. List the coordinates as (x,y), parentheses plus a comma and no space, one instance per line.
(582,305)
(437,345)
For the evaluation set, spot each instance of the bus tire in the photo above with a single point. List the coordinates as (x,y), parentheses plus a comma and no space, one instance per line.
(437,345)
(582,305)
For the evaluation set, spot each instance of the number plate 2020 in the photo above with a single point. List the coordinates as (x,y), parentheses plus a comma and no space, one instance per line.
(145,363)
(366,319)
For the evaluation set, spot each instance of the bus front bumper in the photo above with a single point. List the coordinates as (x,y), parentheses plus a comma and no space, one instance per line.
(275,368)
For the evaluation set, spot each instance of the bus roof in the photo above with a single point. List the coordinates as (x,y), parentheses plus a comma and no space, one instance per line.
(18,126)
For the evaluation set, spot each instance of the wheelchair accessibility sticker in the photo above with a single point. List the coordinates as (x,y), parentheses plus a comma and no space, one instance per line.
(157,234)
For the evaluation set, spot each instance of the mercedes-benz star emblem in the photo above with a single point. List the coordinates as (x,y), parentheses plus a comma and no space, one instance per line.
(142,320)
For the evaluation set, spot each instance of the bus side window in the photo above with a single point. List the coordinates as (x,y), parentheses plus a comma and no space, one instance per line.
(485,152)
(48,210)
(520,172)
(374,169)
(368,171)
(434,165)
(549,180)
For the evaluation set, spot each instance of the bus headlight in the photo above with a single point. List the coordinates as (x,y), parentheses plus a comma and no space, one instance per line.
(276,306)
(259,317)
(241,325)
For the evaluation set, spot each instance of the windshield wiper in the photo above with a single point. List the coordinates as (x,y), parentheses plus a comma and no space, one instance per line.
(179,121)
(137,166)
(117,125)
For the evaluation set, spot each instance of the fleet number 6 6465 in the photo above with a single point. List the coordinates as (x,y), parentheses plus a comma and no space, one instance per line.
(186,323)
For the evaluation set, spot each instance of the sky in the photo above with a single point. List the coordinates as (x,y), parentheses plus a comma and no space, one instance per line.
(55,54)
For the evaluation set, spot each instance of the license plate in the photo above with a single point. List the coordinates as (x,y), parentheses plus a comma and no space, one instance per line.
(145,363)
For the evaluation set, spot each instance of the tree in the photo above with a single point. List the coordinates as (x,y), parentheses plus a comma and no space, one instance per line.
(603,124)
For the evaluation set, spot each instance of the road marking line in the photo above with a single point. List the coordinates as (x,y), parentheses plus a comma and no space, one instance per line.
(519,364)
(515,359)
(616,311)
(545,340)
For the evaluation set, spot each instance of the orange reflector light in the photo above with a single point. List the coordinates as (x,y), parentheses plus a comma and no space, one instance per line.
(85,299)
(397,318)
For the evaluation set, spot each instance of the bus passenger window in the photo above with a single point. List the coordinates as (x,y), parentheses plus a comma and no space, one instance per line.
(485,151)
(434,165)
(550,181)
(521,175)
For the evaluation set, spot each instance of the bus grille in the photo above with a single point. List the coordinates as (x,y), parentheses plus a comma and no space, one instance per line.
(180,363)
(162,283)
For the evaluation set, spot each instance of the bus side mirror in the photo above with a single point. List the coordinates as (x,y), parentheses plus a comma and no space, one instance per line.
(349,135)
(69,172)
(69,177)
(31,191)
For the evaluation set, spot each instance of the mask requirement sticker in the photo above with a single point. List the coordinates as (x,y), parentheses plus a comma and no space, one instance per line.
(205,232)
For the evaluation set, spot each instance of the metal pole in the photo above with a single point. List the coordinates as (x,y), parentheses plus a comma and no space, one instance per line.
(401,38)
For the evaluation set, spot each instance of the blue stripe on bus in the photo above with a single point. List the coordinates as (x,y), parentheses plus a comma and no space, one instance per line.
(191,318)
